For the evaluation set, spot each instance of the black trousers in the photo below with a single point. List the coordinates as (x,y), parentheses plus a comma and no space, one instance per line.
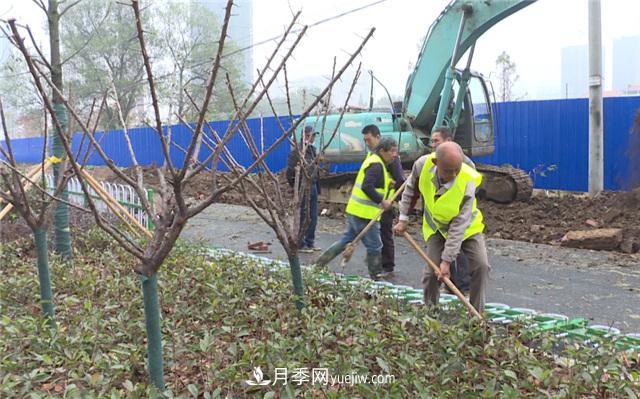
(388,246)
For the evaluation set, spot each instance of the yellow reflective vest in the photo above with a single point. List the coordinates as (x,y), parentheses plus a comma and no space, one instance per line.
(360,204)
(438,213)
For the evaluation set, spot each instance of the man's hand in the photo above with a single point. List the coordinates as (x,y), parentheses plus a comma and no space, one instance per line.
(400,228)
(386,204)
(445,270)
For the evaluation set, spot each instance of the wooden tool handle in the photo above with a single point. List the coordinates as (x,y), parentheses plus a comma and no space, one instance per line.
(375,219)
(448,282)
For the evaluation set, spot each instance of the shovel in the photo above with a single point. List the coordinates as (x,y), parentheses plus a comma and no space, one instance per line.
(448,282)
(348,251)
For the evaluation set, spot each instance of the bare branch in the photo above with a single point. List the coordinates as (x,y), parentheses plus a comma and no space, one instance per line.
(207,97)
(152,89)
(230,132)
(123,122)
(246,133)
(41,5)
(212,197)
(117,234)
(342,111)
(17,184)
(37,186)
(43,59)
(109,162)
(70,6)
(84,136)
(286,88)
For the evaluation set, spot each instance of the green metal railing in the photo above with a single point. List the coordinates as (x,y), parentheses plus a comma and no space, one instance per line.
(125,195)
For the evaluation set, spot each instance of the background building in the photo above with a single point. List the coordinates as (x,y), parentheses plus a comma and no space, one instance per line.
(575,71)
(626,65)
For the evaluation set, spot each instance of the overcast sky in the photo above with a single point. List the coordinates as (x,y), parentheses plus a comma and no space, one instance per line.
(533,37)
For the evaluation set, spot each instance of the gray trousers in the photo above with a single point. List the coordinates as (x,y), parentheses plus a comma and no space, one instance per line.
(475,250)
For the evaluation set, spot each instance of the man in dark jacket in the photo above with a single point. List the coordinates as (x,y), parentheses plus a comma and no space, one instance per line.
(369,194)
(371,135)
(308,203)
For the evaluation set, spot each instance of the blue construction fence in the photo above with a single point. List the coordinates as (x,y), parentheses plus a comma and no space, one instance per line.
(549,139)
(148,148)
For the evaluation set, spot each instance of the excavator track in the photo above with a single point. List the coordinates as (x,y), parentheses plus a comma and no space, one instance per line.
(504,184)
(499,184)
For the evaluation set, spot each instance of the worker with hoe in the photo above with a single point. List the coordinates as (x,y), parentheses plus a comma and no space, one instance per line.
(309,201)
(371,135)
(451,221)
(371,191)
(460,267)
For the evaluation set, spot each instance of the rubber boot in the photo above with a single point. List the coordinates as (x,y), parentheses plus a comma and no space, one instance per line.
(327,256)
(374,264)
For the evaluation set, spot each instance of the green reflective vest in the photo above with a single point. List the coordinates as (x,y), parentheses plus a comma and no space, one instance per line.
(438,213)
(360,204)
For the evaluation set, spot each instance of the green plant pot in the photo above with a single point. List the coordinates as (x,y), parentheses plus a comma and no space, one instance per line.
(496,306)
(602,331)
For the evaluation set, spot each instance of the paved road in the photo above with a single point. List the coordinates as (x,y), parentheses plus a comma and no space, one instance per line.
(602,286)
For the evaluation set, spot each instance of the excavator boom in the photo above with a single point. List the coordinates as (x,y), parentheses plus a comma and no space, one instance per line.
(437,94)
(442,50)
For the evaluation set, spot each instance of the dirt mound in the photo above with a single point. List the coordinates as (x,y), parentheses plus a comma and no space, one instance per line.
(547,219)
(202,184)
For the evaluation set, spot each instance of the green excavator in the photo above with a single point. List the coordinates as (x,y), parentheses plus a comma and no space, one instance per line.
(437,94)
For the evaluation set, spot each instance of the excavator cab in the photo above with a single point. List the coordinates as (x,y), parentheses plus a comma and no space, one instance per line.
(437,94)
(474,131)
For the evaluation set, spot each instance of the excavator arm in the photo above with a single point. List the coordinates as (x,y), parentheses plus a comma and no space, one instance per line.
(436,95)
(428,89)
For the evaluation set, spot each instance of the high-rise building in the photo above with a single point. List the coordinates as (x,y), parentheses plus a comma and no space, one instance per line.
(575,71)
(240,30)
(626,64)
(5,49)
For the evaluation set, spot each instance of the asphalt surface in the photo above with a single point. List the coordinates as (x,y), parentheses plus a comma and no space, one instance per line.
(601,286)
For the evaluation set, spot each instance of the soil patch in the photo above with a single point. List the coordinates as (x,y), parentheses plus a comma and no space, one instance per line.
(547,219)
(14,231)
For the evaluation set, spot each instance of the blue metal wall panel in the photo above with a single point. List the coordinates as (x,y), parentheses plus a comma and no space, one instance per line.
(148,148)
(27,150)
(545,139)
(621,145)
(549,139)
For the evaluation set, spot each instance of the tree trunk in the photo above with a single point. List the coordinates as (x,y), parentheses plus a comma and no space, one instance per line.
(61,216)
(154,335)
(296,277)
(46,296)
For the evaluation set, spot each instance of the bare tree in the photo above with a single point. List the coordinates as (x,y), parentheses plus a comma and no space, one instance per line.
(28,194)
(507,76)
(170,214)
(279,210)
(54,11)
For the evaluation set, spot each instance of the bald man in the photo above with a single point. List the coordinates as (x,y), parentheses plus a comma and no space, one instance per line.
(451,221)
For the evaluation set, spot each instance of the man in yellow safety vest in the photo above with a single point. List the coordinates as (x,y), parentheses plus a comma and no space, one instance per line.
(372,136)
(371,191)
(451,221)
